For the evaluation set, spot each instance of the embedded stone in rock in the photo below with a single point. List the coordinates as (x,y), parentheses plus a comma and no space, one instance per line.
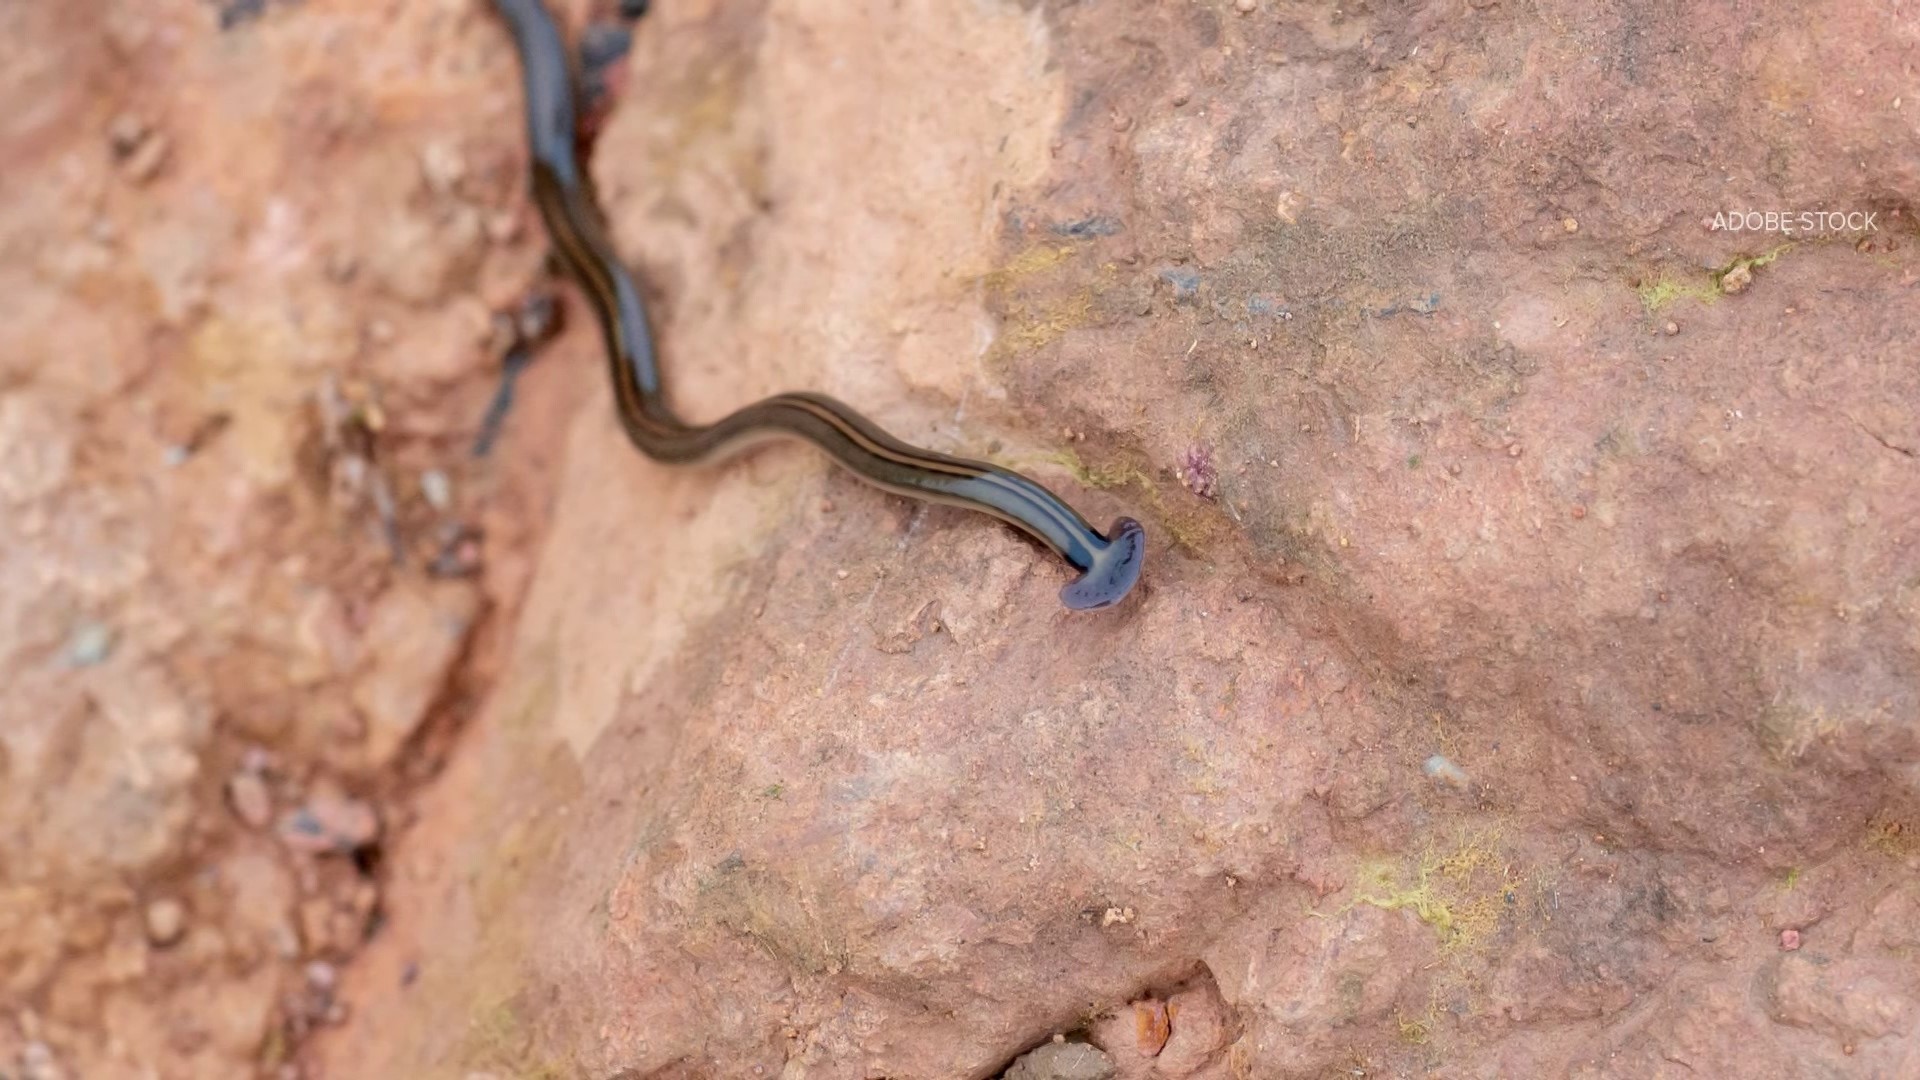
(415,637)
(1061,1061)
(166,921)
(330,822)
(252,803)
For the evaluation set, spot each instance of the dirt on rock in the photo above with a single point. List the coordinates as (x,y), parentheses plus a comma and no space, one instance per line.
(1526,680)
(227,399)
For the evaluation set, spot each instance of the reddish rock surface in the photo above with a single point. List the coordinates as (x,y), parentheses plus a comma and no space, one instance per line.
(1530,647)
(205,394)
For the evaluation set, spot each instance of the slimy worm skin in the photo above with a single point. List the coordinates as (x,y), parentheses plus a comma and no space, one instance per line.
(1108,565)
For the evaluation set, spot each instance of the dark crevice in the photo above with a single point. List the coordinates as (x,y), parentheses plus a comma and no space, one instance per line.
(1904,451)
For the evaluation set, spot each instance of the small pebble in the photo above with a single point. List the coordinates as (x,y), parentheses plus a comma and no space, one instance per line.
(146,161)
(1736,280)
(248,796)
(442,167)
(1153,1025)
(90,645)
(1789,940)
(322,976)
(1246,7)
(1442,770)
(1570,225)
(1671,329)
(166,921)
(1579,512)
(437,489)
(330,822)
(36,1062)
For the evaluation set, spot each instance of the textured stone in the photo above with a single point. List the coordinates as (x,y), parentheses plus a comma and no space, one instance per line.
(1848,999)
(416,634)
(252,803)
(330,821)
(1375,343)
(1511,460)
(1061,1061)
(166,921)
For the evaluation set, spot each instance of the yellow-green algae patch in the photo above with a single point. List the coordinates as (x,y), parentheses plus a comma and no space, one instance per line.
(1460,892)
